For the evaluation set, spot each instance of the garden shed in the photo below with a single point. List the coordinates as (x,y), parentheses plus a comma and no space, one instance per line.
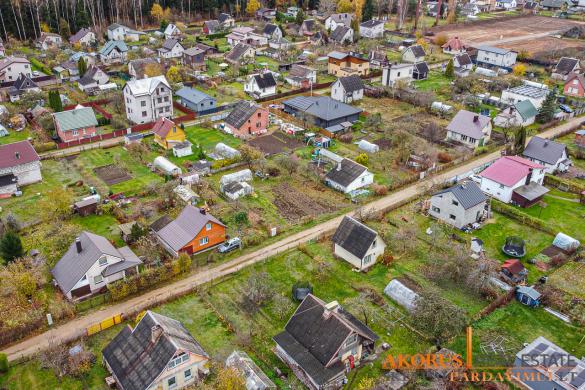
(528,296)
(401,294)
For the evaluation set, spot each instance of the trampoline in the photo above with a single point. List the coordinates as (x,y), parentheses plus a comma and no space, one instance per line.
(514,247)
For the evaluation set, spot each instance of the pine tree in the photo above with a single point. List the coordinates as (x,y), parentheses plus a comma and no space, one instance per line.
(300,18)
(368,10)
(547,110)
(11,247)
(81,66)
(55,101)
(520,141)
(450,69)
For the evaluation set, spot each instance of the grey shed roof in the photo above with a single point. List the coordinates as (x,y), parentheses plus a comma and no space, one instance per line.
(371,23)
(237,51)
(351,83)
(465,123)
(468,194)
(526,109)
(169,44)
(345,172)
(531,191)
(338,35)
(188,224)
(193,95)
(543,149)
(530,291)
(270,28)
(137,357)
(241,113)
(354,237)
(417,50)
(530,91)
(322,107)
(77,118)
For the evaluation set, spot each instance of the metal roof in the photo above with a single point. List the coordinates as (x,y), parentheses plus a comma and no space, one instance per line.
(493,49)
(78,118)
(468,194)
(529,91)
(193,95)
(545,150)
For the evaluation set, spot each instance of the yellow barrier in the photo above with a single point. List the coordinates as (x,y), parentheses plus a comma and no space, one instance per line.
(105,324)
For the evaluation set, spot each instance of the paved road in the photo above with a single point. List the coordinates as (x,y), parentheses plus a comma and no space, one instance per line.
(76,327)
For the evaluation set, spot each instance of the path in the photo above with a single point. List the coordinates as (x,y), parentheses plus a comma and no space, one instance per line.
(76,327)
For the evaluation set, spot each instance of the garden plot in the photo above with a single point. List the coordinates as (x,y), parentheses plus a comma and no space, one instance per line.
(293,204)
(569,278)
(112,174)
(275,143)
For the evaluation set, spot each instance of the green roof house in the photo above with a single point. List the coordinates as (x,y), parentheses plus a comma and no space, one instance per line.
(76,124)
(522,113)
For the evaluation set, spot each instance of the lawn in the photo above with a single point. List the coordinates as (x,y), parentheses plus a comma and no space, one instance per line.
(15,136)
(436,82)
(209,137)
(569,278)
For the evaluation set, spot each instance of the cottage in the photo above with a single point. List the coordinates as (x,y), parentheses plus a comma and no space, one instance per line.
(83,37)
(342,34)
(48,40)
(460,205)
(113,52)
(86,206)
(470,128)
(196,100)
(513,271)
(182,149)
(518,114)
(172,31)
(119,32)
(167,133)
(420,70)
(357,244)
(413,54)
(565,67)
(397,73)
(321,342)
(193,231)
(347,176)
(235,185)
(462,64)
(495,57)
(240,54)
(19,165)
(335,20)
(254,377)
(378,58)
(211,27)
(90,264)
(552,155)
(226,20)
(530,7)
(528,296)
(509,173)
(454,46)
(348,89)
(93,78)
(345,64)
(272,31)
(246,35)
(266,13)
(159,353)
(75,124)
(321,111)
(195,58)
(260,85)
(171,48)
(247,119)
(575,85)
(144,67)
(148,99)
(307,27)
(21,86)
(12,67)
(536,94)
(372,29)
(301,76)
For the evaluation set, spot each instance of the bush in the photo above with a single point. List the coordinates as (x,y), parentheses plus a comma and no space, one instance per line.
(380,190)
(444,157)
(346,138)
(441,39)
(3,362)
(45,146)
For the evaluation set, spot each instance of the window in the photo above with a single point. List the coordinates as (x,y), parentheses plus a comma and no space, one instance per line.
(159,100)
(367,259)
(166,99)
(501,186)
(75,132)
(436,209)
(374,244)
(98,279)
(182,358)
(143,113)
(452,217)
(172,382)
(143,104)
(187,374)
(103,261)
(167,109)
(203,241)
(455,203)
(160,110)
(208,226)
(351,339)
(398,75)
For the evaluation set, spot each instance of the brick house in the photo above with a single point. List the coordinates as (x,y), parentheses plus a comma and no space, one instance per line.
(347,64)
(75,124)
(575,85)
(247,119)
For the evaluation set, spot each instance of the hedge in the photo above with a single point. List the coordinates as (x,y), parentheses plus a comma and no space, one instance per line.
(521,217)
(40,65)
(571,185)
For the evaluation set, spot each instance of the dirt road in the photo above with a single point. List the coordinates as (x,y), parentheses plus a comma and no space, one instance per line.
(76,327)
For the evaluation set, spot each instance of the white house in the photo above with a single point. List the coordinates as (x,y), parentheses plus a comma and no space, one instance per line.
(357,244)
(84,37)
(113,52)
(507,174)
(372,29)
(462,64)
(90,264)
(565,67)
(172,31)
(119,32)
(518,114)
(260,85)
(348,176)
(300,76)
(551,155)
(397,72)
(48,40)
(348,89)
(93,77)
(272,31)
(413,54)
(11,67)
(536,94)
(148,99)
(470,128)
(171,48)
(460,205)
(488,56)
(342,34)
(335,20)
(19,165)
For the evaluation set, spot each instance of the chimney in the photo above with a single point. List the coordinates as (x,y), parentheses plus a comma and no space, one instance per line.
(339,166)
(545,142)
(17,155)
(78,245)
(475,118)
(202,211)
(330,308)
(155,332)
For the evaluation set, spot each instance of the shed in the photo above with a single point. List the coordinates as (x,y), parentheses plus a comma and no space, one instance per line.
(528,296)
(255,378)
(86,206)
(126,230)
(566,243)
(236,190)
(401,294)
(236,177)
(528,194)
(166,166)
(182,149)
(368,146)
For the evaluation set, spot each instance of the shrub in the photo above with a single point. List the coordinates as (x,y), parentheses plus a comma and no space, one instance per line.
(363,159)
(3,362)
(45,146)
(441,39)
(346,138)
(380,190)
(444,157)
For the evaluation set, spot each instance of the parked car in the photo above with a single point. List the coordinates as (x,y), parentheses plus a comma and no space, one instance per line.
(230,245)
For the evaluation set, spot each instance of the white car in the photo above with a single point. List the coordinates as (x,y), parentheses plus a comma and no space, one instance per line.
(36,73)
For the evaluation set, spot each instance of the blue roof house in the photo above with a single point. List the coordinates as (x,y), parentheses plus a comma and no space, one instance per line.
(196,100)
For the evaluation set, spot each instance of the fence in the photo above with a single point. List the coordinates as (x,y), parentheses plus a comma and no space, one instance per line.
(103,325)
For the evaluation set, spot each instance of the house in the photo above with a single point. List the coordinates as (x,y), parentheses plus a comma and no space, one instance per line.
(420,70)
(235,185)
(90,264)
(240,54)
(196,100)
(507,174)
(93,77)
(536,94)
(193,231)
(75,124)
(194,57)
(528,296)
(495,57)
(345,64)
(226,20)
(518,114)
(83,37)
(470,10)
(378,58)
(335,20)
(211,27)
(552,155)
(544,365)
(144,67)
(462,64)
(372,29)
(321,342)
(20,165)
(69,69)
(260,85)
(292,11)
(580,138)
(342,34)
(148,99)
(85,207)
(565,67)
(307,27)
(357,244)
(119,32)
(209,50)
(246,35)
(159,353)
(454,46)
(513,271)
(319,38)
(12,67)
(254,377)
(470,128)
(348,89)
(171,48)
(530,7)
(172,31)
(301,76)
(321,111)
(22,85)
(247,119)
(266,13)
(347,176)
(575,85)
(460,205)
(554,5)
(113,52)
(413,54)
(272,31)
(279,45)
(167,133)
(506,4)
(48,40)
(397,72)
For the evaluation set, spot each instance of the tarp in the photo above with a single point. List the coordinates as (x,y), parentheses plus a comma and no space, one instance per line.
(368,146)
(565,242)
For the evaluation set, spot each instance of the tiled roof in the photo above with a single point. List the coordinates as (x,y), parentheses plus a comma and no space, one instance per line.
(566,65)
(351,83)
(163,126)
(354,237)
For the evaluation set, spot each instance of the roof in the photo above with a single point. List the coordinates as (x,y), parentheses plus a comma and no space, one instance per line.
(351,83)
(169,44)
(577,76)
(140,65)
(241,113)
(514,266)
(73,265)
(531,191)
(509,170)
(529,91)
(78,35)
(417,50)
(545,150)
(354,237)
(308,24)
(270,28)
(297,70)
(17,153)
(137,357)
(371,23)
(111,45)
(338,55)
(345,172)
(566,65)
(344,18)
(468,194)
(163,126)
(193,51)
(528,290)
(23,82)
(322,107)
(237,51)
(78,118)
(339,33)
(192,95)
(89,76)
(526,109)
(211,25)
(492,49)
(469,123)
(251,372)
(421,67)
(378,55)
(12,60)
(146,86)
(160,223)
(185,227)
(463,59)
(114,26)
(265,80)
(454,44)
(223,17)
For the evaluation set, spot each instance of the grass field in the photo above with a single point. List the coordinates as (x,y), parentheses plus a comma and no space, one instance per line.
(209,137)
(569,278)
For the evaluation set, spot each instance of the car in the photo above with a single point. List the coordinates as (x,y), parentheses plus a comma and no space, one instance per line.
(36,73)
(230,245)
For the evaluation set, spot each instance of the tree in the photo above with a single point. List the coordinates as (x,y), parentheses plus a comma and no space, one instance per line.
(55,100)
(327,6)
(3,363)
(367,10)
(289,163)
(81,66)
(227,379)
(257,290)
(547,110)
(252,7)
(136,231)
(519,70)
(163,24)
(184,262)
(520,140)
(56,205)
(361,306)
(344,6)
(450,69)
(152,69)
(64,28)
(363,159)
(11,247)
(241,218)
(157,12)
(249,154)
(300,18)
(173,74)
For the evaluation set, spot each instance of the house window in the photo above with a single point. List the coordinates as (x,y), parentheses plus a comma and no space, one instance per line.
(374,244)
(166,99)
(143,113)
(351,339)
(455,203)
(452,217)
(188,374)
(103,261)
(501,186)
(436,209)
(160,110)
(159,100)
(167,109)
(172,382)
(182,358)
(75,132)
(143,104)
(98,279)
(208,226)
(367,259)
(203,241)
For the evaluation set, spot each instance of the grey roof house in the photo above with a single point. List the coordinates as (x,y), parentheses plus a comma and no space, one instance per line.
(158,353)
(413,54)
(470,128)
(348,89)
(460,205)
(342,34)
(90,263)
(196,100)
(348,176)
(22,85)
(321,111)
(565,67)
(548,153)
(357,244)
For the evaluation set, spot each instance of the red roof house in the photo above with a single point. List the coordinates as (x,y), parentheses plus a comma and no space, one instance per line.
(513,270)
(454,46)
(19,165)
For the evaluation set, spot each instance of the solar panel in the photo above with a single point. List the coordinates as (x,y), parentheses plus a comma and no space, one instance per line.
(540,348)
(578,380)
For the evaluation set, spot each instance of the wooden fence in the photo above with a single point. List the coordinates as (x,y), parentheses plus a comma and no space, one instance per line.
(103,325)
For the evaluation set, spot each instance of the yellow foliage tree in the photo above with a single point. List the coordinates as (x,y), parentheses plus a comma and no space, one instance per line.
(45,27)
(358,6)
(423,42)
(344,6)
(173,74)
(167,13)
(157,12)
(252,7)
(519,70)
(153,69)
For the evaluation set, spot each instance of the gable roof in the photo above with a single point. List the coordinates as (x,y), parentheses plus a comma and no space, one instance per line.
(241,113)
(170,43)
(338,35)
(514,266)
(89,76)
(354,237)
(17,153)
(308,24)
(270,28)
(137,357)
(23,82)
(114,26)
(78,118)
(417,50)
(111,45)
(509,170)
(192,95)
(5,62)
(265,80)
(344,18)
(371,23)
(212,25)
(185,227)
(526,109)
(79,35)
(468,194)
(297,70)
(580,77)
(223,17)
(163,126)
(454,44)
(421,67)
(464,122)
(322,107)
(543,149)
(529,291)
(351,83)
(237,51)
(463,59)
(566,65)
(146,86)
(345,172)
